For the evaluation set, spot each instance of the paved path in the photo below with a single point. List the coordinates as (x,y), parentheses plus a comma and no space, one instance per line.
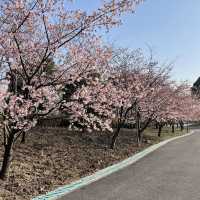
(170,173)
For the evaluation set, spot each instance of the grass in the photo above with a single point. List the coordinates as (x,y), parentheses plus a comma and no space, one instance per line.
(152,133)
(52,157)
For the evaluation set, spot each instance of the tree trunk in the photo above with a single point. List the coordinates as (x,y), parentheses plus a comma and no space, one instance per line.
(187,127)
(173,128)
(159,130)
(141,129)
(120,123)
(7,157)
(182,125)
(139,137)
(114,138)
(182,128)
(23,140)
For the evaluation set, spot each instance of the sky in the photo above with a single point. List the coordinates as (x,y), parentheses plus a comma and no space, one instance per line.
(170,27)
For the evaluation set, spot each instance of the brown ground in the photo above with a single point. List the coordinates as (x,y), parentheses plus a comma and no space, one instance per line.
(54,157)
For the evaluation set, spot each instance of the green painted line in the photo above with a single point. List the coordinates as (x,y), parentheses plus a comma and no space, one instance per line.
(61,191)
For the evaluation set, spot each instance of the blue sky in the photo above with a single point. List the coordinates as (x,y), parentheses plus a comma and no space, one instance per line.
(170,27)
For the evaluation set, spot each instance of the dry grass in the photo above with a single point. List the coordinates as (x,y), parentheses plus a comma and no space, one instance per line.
(55,157)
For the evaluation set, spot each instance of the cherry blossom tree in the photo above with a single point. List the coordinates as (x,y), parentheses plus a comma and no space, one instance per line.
(138,81)
(32,32)
(179,107)
(88,95)
(126,68)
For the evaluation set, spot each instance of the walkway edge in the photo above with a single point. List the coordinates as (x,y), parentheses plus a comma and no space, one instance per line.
(61,191)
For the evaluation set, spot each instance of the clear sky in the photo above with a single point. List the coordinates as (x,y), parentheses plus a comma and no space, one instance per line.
(170,27)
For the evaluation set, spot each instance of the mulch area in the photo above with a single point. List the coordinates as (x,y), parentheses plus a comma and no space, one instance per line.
(52,157)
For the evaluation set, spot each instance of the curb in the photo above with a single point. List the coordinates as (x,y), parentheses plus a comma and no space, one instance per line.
(61,191)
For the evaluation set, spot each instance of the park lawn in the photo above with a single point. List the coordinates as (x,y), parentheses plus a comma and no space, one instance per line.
(52,157)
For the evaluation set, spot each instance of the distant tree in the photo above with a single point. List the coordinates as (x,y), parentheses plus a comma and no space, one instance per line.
(196,88)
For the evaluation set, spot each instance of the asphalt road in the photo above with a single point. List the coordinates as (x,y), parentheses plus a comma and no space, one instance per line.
(170,173)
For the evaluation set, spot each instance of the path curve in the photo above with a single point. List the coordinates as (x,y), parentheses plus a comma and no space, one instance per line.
(169,173)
